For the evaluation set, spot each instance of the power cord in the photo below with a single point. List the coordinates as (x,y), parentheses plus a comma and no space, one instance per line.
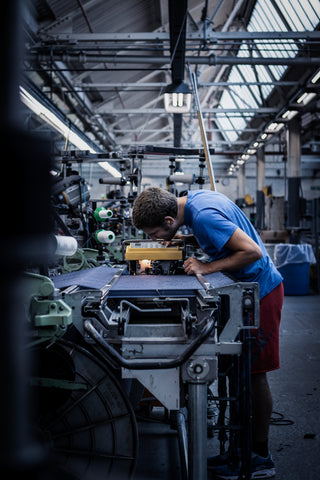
(279,420)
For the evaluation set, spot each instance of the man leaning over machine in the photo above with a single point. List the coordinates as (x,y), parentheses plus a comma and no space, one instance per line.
(232,244)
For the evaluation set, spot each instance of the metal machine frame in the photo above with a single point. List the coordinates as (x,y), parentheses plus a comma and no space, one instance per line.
(174,359)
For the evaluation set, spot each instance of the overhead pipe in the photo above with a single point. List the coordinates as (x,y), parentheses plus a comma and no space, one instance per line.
(211,60)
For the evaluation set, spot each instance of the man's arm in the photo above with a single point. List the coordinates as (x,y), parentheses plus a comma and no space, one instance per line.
(244,252)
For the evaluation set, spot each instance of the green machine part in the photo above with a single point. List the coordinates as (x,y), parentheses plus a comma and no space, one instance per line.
(101,214)
(48,316)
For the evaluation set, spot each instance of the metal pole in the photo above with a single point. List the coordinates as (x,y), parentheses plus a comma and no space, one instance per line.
(260,181)
(294,173)
(315,214)
(242,181)
(197,407)
(202,130)
(183,444)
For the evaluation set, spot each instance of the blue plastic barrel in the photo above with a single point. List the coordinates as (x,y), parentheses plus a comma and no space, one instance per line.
(296,278)
(293,262)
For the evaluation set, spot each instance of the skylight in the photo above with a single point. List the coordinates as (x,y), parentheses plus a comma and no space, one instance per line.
(267,16)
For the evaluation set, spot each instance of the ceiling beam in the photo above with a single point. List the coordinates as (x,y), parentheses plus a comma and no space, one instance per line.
(164,36)
(167,130)
(158,111)
(157,85)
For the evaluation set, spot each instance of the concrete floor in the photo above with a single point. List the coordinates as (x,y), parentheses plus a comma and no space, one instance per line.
(296,391)
(295,446)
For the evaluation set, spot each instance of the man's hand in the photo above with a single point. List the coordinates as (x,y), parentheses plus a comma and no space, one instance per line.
(177,239)
(193,266)
(244,251)
(170,243)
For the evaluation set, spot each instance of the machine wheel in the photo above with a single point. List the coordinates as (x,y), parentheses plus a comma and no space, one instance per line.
(82,414)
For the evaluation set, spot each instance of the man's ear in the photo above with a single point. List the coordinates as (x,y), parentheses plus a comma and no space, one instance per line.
(169,220)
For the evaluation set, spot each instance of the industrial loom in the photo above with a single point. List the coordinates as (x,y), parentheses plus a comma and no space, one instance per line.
(146,320)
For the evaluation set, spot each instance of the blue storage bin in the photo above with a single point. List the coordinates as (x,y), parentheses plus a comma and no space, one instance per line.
(296,278)
(293,262)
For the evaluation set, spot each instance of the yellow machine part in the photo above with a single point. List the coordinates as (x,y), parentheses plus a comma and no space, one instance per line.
(162,253)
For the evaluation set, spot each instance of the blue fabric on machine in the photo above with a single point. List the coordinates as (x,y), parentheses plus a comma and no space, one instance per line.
(137,285)
(96,277)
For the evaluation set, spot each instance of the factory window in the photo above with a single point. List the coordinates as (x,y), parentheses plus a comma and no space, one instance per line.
(300,14)
(280,15)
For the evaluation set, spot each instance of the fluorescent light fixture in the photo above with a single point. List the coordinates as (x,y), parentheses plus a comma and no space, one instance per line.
(274,127)
(263,136)
(245,156)
(289,114)
(251,151)
(49,117)
(240,162)
(177,98)
(306,98)
(316,77)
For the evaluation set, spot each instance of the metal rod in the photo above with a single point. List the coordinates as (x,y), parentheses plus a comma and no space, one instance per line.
(197,407)
(202,130)
(183,444)
(142,310)
(150,364)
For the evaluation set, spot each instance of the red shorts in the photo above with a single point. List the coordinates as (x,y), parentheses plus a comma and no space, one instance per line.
(265,344)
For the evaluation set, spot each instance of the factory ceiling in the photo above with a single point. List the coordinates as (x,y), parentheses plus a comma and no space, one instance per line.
(102,67)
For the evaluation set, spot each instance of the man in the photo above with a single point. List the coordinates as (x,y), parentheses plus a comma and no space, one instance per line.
(225,234)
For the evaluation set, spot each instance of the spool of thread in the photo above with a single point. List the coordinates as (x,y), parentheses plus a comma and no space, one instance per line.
(101,214)
(181,178)
(104,236)
(113,180)
(66,246)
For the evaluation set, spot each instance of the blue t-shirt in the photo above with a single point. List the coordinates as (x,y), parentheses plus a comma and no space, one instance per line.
(213,218)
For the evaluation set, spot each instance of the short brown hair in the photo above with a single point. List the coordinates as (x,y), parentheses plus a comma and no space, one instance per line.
(152,206)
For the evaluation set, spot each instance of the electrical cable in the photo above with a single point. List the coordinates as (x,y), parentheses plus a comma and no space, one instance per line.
(279,420)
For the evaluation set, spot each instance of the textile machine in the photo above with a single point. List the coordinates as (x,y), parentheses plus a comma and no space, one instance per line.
(146,320)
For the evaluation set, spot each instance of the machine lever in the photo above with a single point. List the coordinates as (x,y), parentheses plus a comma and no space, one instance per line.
(150,365)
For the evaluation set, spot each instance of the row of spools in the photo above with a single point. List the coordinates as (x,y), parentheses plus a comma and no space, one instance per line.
(102,214)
